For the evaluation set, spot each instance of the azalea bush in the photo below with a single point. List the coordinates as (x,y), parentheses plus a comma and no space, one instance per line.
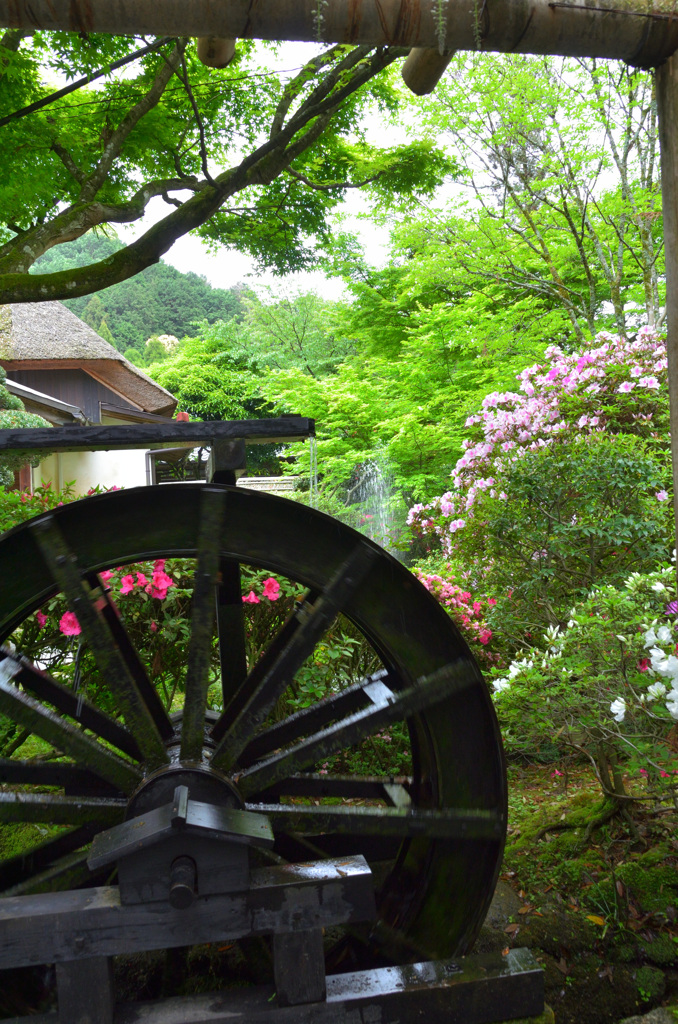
(564,485)
(604,685)
(469,612)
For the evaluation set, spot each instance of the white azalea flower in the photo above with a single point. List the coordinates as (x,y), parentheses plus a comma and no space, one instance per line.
(658,587)
(664,635)
(650,638)
(656,691)
(618,709)
(500,685)
(672,704)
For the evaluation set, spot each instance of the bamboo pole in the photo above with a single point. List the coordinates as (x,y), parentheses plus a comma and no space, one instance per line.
(642,35)
(667,109)
(215,52)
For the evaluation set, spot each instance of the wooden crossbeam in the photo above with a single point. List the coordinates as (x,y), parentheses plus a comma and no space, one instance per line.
(643,35)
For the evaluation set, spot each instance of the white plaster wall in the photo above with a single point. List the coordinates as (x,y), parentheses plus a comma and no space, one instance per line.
(87,469)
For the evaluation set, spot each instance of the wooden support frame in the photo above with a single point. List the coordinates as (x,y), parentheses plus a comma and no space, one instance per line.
(79,924)
(472,990)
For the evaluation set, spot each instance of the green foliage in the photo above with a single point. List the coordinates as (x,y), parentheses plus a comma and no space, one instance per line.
(578,513)
(287,144)
(159,300)
(298,331)
(561,212)
(19,506)
(407,409)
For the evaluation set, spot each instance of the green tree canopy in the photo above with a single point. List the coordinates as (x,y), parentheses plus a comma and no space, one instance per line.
(245,156)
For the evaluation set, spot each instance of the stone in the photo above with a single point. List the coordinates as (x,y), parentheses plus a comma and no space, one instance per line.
(662,1015)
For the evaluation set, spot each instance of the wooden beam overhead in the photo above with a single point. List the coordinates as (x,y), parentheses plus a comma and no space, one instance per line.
(642,34)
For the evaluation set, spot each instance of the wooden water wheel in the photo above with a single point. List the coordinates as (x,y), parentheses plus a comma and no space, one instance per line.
(434,840)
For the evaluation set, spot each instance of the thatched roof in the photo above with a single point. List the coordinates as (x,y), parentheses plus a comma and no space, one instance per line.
(46,335)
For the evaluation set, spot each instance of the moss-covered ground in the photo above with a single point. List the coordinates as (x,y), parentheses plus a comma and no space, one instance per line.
(598,904)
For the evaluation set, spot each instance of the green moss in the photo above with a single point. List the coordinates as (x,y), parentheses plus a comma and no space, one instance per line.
(661,951)
(650,882)
(651,984)
(17,839)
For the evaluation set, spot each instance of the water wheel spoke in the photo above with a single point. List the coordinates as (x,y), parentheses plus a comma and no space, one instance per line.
(250,685)
(68,872)
(41,685)
(62,564)
(425,693)
(231,630)
(29,713)
(41,857)
(69,777)
(212,507)
(313,718)
(344,787)
(54,809)
(445,823)
(111,616)
(315,620)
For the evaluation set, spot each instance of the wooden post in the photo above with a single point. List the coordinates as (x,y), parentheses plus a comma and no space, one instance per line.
(299,967)
(667,104)
(85,989)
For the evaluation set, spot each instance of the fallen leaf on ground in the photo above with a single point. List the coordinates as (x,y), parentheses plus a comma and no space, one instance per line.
(511,929)
(596,920)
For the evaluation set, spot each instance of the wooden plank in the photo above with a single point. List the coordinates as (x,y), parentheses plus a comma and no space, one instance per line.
(62,564)
(608,29)
(30,714)
(52,927)
(86,992)
(203,611)
(125,437)
(470,990)
(446,822)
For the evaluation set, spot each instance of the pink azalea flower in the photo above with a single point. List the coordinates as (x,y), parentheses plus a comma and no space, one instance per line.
(662,496)
(485,636)
(477,607)
(105,575)
(154,627)
(69,625)
(271,589)
(491,601)
(141,579)
(251,598)
(664,775)
(127,584)
(159,564)
(159,585)
(643,664)
(41,618)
